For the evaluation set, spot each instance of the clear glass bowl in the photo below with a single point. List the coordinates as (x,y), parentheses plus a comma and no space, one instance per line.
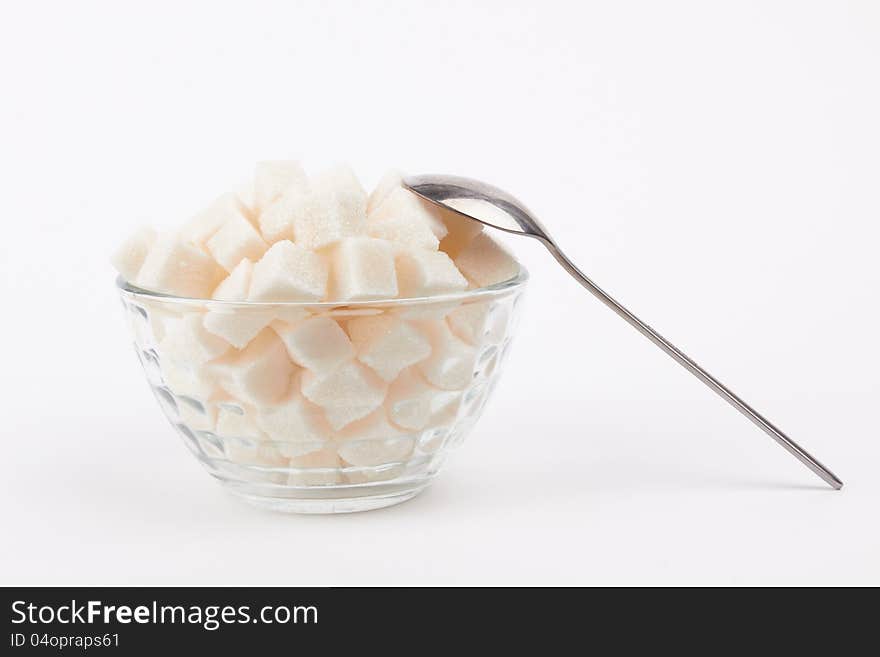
(279,452)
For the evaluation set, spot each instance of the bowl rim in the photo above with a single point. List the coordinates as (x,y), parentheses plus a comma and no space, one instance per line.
(497,289)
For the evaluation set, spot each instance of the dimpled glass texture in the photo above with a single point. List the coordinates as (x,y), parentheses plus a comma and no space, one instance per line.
(393,463)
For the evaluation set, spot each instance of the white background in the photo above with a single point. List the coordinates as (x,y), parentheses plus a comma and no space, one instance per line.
(714,165)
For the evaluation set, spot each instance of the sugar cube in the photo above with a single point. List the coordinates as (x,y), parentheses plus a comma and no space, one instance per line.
(259,453)
(296,425)
(374,441)
(130,256)
(485,262)
(187,381)
(401,202)
(346,393)
(318,344)
(403,231)
(187,343)
(389,182)
(426,310)
(452,361)
(409,400)
(247,201)
(272,178)
(469,321)
(238,325)
(175,267)
(362,269)
(374,426)
(161,315)
(318,468)
(289,272)
(235,287)
(234,240)
(276,221)
(237,421)
(290,313)
(423,273)
(260,373)
(204,224)
(387,344)
(334,208)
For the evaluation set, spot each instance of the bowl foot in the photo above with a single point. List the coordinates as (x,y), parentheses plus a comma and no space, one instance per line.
(334,500)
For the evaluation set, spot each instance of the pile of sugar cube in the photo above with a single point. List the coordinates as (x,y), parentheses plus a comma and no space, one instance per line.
(320,389)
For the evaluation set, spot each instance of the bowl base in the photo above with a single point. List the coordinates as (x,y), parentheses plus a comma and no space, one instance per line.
(325,505)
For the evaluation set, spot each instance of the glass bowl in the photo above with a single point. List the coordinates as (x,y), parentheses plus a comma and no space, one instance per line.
(247,411)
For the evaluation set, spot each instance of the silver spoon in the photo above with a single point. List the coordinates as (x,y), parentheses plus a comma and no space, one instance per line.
(496,208)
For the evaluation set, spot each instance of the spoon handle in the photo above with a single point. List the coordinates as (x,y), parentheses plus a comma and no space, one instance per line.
(763,423)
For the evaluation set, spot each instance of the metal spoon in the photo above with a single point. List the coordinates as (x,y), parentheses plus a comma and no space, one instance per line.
(496,208)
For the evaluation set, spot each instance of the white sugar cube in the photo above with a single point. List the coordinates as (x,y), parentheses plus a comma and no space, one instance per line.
(342,416)
(238,325)
(237,421)
(259,374)
(395,223)
(187,343)
(290,313)
(235,287)
(247,201)
(272,178)
(400,202)
(175,267)
(363,269)
(485,262)
(335,207)
(130,256)
(235,240)
(451,364)
(470,321)
(263,454)
(276,221)
(409,400)
(288,272)
(349,193)
(423,273)
(318,468)
(390,181)
(402,231)
(387,344)
(318,344)
(374,441)
(296,425)
(374,426)
(346,394)
(161,316)
(203,225)
(187,381)
(413,404)
(425,310)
